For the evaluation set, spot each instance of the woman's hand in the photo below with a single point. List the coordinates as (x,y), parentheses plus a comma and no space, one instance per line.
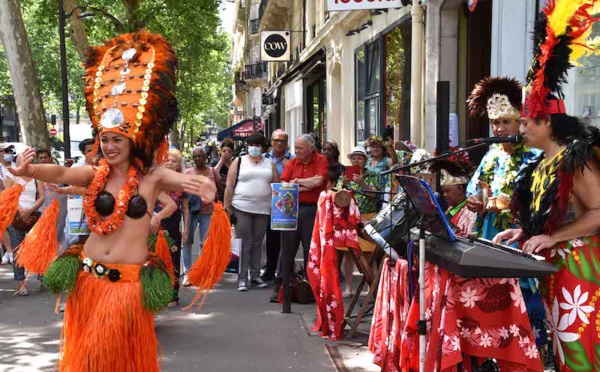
(511,236)
(538,243)
(201,186)
(474,204)
(23,167)
(25,213)
(155,223)
(359,180)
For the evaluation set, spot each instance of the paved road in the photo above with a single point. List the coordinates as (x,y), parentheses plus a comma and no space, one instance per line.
(232,332)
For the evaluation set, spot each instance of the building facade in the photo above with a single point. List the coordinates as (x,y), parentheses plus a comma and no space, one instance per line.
(354,73)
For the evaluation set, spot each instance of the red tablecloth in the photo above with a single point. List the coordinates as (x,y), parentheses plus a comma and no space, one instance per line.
(334,227)
(477,317)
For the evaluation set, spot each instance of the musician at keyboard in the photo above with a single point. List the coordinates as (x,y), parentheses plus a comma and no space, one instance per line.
(499,98)
(568,173)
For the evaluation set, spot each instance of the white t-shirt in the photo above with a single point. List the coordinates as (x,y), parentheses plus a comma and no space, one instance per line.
(28,197)
(253,190)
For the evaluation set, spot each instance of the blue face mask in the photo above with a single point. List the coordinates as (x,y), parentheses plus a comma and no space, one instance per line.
(254,151)
(8,158)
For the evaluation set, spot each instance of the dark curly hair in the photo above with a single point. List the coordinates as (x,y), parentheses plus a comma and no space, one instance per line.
(257,139)
(228,142)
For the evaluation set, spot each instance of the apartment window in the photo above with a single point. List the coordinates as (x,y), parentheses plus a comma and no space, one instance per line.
(368,88)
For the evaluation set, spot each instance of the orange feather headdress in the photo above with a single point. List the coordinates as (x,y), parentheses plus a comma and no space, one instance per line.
(130,90)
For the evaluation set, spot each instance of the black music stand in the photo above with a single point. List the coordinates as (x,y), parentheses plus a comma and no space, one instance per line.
(432,219)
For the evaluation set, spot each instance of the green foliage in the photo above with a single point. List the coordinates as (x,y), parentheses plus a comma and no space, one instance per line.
(192,26)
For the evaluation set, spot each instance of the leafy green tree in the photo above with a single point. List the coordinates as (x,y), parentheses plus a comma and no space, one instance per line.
(192,27)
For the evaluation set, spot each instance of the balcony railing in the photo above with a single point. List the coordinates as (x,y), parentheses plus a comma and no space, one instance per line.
(261,8)
(256,71)
(254,26)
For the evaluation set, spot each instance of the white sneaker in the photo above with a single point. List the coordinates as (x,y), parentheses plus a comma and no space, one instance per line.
(242,286)
(10,257)
(5,259)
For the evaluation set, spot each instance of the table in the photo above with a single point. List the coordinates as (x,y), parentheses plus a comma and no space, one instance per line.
(481,318)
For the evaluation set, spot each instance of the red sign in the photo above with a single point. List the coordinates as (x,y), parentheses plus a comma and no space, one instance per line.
(472,5)
(53,132)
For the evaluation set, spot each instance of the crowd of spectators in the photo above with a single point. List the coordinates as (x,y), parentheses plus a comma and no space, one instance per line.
(244,187)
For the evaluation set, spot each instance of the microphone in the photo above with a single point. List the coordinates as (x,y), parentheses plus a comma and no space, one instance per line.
(509,139)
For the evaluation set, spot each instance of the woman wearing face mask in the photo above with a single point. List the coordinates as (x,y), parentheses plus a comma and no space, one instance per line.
(248,198)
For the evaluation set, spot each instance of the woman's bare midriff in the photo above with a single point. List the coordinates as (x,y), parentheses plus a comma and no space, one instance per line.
(129,244)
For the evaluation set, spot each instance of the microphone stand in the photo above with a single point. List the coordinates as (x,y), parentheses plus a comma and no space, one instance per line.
(399,168)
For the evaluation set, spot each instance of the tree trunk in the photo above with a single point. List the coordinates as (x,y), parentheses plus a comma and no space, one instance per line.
(174,136)
(23,75)
(76,29)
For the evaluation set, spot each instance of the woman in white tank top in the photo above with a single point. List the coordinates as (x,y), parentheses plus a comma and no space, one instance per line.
(248,203)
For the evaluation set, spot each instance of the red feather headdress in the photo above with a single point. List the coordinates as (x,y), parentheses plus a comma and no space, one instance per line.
(561,38)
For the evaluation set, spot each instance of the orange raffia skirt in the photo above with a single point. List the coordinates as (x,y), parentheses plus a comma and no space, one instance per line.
(106,325)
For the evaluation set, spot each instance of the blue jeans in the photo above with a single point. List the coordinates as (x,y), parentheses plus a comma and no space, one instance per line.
(196,219)
(16,238)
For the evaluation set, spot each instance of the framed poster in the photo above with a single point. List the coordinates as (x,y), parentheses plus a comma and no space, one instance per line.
(284,206)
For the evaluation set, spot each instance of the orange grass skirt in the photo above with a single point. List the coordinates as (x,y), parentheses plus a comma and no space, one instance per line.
(106,327)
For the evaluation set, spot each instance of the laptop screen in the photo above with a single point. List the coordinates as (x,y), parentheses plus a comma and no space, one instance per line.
(426,205)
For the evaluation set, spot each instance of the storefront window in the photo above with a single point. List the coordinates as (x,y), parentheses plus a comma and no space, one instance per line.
(582,93)
(368,81)
(397,79)
(382,79)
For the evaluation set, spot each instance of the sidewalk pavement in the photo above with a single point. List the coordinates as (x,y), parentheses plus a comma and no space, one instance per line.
(232,332)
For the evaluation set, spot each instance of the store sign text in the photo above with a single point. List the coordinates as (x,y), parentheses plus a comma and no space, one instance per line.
(275,46)
(333,5)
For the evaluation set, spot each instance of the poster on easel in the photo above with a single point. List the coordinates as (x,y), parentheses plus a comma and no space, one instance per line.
(284,206)
(77,222)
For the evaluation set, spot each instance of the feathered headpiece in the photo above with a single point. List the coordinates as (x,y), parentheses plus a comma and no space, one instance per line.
(455,170)
(496,97)
(561,37)
(130,90)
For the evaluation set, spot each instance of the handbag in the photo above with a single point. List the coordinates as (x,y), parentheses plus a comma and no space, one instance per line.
(26,224)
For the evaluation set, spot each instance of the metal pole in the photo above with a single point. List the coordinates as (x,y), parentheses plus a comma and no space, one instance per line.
(285,275)
(422,327)
(65,80)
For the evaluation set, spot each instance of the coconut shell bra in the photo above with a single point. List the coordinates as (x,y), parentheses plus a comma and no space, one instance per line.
(105,205)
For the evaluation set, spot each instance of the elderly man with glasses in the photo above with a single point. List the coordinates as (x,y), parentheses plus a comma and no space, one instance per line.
(279,155)
(310,171)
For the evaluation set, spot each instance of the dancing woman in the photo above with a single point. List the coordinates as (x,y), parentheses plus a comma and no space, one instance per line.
(113,282)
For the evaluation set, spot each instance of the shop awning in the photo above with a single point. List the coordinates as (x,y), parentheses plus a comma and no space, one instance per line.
(240,130)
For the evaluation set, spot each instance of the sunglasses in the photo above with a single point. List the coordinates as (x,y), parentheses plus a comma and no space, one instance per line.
(8,151)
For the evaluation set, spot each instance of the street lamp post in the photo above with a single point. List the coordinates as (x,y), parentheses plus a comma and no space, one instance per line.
(62,19)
